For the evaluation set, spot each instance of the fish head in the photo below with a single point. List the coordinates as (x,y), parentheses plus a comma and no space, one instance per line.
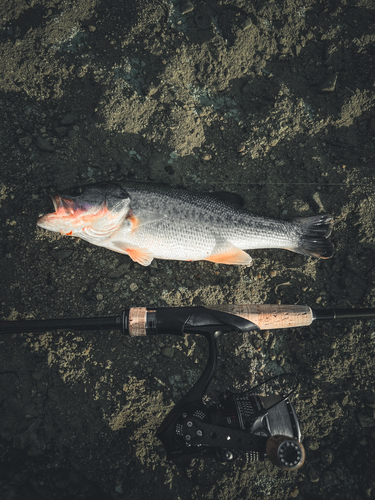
(92,211)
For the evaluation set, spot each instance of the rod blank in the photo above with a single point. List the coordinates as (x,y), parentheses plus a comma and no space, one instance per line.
(265,316)
(46,325)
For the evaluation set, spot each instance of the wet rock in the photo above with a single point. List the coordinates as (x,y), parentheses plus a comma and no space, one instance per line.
(167,352)
(44,145)
(69,119)
(119,271)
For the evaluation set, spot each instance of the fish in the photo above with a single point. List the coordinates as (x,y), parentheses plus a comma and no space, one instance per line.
(149,222)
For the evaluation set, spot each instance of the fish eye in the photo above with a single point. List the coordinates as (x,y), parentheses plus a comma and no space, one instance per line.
(76,191)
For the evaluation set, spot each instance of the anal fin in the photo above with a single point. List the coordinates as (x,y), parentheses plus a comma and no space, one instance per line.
(232,256)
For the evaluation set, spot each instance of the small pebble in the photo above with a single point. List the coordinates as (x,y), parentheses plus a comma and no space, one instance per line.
(61,131)
(266,334)
(327,457)
(133,287)
(119,271)
(44,145)
(246,24)
(167,352)
(186,6)
(99,296)
(206,157)
(25,142)
(313,475)
(273,273)
(312,444)
(329,85)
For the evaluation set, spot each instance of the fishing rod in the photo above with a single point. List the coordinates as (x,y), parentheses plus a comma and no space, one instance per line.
(257,424)
(143,321)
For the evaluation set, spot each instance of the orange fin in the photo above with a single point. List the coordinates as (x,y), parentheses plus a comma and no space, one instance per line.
(134,221)
(234,256)
(145,218)
(140,255)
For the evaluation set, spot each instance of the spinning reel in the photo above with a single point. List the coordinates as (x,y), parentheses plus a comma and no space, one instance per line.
(257,424)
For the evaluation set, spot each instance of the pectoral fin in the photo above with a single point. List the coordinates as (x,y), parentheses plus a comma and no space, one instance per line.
(141,255)
(232,256)
(145,218)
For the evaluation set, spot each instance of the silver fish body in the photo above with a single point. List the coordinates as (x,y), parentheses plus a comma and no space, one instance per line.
(148,222)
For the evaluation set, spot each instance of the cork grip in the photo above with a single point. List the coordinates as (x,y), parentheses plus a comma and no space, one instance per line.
(270,317)
(137,321)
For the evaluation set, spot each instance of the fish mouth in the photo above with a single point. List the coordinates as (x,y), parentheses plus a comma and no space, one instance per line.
(63,206)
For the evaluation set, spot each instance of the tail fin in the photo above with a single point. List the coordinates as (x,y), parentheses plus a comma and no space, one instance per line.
(315,232)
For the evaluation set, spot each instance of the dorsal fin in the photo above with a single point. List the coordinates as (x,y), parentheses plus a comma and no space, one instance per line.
(233,199)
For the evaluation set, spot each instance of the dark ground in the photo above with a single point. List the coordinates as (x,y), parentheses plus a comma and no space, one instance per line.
(271,100)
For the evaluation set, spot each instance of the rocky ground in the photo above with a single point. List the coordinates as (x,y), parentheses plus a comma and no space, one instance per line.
(273,100)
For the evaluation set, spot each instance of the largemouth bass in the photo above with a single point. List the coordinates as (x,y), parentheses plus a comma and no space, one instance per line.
(147,222)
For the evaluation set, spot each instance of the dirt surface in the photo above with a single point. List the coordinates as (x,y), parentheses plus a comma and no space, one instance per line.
(273,100)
